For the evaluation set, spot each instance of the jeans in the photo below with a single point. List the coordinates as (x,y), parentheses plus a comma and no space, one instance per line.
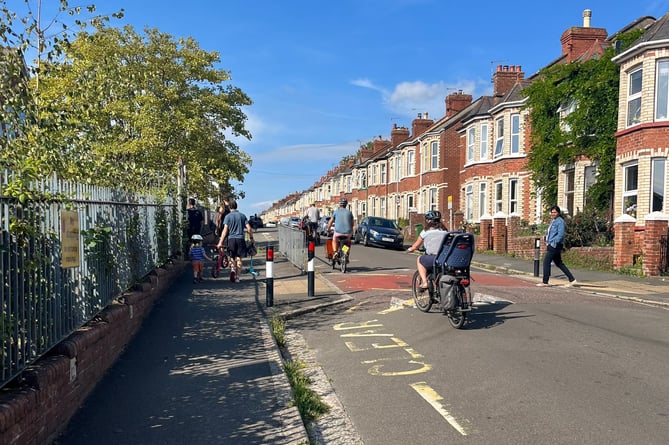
(554,255)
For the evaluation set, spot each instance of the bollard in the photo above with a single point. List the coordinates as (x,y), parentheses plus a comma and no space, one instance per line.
(269,274)
(537,255)
(310,270)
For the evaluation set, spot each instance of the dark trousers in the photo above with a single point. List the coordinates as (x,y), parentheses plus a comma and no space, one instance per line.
(554,255)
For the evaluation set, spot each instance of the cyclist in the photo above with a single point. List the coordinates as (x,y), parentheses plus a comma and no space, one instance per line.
(342,219)
(432,238)
(311,218)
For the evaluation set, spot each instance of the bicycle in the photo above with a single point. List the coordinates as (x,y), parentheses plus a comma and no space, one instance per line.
(221,261)
(448,281)
(340,257)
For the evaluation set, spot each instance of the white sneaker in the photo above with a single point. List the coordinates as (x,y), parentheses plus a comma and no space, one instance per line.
(571,284)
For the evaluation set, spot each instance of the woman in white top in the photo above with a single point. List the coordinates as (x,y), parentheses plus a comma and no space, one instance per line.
(431,237)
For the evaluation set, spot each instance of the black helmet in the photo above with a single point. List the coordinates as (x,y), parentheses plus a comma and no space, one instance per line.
(433,215)
(343,202)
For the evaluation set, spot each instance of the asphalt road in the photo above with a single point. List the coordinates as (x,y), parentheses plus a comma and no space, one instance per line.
(532,365)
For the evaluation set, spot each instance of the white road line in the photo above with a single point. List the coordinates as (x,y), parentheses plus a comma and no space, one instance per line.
(434,399)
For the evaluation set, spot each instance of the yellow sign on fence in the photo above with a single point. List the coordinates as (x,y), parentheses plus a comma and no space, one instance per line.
(69,235)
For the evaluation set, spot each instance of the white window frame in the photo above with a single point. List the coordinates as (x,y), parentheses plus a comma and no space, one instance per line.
(483,198)
(383,173)
(398,168)
(433,198)
(411,162)
(658,184)
(469,202)
(499,137)
(499,196)
(634,89)
(471,143)
(630,180)
(434,155)
(483,142)
(515,133)
(662,90)
(513,196)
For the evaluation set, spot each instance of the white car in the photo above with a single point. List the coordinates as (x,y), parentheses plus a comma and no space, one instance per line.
(270,224)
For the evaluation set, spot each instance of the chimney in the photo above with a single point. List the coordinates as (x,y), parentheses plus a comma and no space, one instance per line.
(505,78)
(579,39)
(420,124)
(379,143)
(456,102)
(398,135)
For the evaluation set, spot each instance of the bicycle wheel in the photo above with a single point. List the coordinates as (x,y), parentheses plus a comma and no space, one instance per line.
(343,263)
(455,316)
(420,296)
(214,271)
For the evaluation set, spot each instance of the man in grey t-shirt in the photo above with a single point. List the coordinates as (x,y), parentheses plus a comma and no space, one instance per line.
(233,227)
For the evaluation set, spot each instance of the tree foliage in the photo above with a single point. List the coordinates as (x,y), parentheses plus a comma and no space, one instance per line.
(589,130)
(118,108)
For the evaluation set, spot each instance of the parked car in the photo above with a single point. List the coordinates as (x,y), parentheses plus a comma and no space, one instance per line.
(270,224)
(294,221)
(380,232)
(255,222)
(323,226)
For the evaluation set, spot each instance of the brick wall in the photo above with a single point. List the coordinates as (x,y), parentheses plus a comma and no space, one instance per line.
(48,394)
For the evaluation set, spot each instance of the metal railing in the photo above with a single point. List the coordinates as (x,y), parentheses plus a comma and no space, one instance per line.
(293,244)
(117,239)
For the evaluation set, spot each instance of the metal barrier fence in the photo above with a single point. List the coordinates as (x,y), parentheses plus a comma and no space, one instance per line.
(62,260)
(293,244)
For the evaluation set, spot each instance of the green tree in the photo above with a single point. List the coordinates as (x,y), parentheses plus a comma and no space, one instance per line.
(589,90)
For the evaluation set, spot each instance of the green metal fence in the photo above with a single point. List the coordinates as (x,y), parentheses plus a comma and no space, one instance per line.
(65,258)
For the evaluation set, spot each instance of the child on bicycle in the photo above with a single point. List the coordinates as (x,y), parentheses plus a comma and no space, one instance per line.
(432,239)
(197,256)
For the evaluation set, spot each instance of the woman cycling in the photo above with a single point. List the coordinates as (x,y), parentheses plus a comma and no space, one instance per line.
(432,238)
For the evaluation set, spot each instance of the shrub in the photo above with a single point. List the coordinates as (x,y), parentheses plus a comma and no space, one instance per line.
(588,228)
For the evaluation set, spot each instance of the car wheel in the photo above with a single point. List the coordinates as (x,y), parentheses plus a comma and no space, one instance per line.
(356,238)
(365,240)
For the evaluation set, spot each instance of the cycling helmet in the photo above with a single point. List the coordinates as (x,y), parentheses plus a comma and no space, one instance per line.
(343,202)
(196,237)
(433,215)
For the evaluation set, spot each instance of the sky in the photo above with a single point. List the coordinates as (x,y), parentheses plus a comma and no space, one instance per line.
(326,77)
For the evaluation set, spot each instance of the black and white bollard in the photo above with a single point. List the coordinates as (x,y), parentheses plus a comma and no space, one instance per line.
(269,274)
(537,255)
(310,269)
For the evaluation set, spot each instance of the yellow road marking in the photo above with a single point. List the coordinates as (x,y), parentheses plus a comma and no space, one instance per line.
(434,399)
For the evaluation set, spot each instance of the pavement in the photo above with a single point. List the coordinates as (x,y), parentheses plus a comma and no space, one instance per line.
(205,369)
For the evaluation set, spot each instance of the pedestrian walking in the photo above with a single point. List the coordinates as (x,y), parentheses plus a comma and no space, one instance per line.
(197,257)
(195,218)
(554,246)
(234,224)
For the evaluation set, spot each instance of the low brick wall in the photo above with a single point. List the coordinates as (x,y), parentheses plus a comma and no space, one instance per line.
(51,390)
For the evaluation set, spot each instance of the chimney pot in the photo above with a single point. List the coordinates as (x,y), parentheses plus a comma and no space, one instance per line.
(425,114)
(586,18)
(499,68)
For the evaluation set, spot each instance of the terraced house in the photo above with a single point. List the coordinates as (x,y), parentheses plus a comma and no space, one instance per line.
(471,164)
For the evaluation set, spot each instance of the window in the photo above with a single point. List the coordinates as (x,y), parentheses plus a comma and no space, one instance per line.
(659,184)
(630,186)
(398,168)
(471,143)
(411,162)
(363,180)
(499,142)
(565,110)
(349,181)
(375,173)
(382,206)
(515,133)
(662,91)
(409,201)
(434,155)
(634,97)
(589,181)
(433,199)
(383,173)
(513,196)
(569,191)
(483,188)
(483,145)
(469,202)
(498,196)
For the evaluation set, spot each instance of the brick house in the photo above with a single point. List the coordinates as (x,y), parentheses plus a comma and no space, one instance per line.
(642,152)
